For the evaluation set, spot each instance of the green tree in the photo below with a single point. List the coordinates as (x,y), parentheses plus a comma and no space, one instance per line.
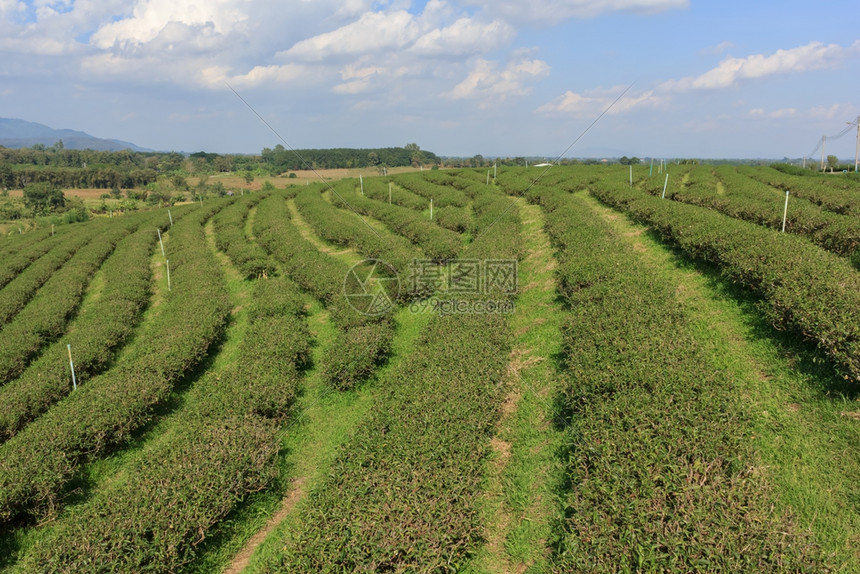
(832,162)
(44,198)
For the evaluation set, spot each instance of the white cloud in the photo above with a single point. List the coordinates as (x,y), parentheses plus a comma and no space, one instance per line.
(731,71)
(373,32)
(489,84)
(11,7)
(783,113)
(834,112)
(464,36)
(594,103)
(151,17)
(394,31)
(550,12)
(719,48)
(775,115)
(358,78)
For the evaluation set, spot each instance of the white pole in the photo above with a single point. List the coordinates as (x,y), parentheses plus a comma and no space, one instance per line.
(823,143)
(665,183)
(389,193)
(494,172)
(171,218)
(431,208)
(785,211)
(857,148)
(631,175)
(72,365)
(167,261)
(361,181)
(161,242)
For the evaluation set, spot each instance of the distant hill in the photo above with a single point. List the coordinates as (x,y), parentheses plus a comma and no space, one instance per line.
(15,133)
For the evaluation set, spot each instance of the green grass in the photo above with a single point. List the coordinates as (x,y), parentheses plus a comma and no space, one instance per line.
(303,446)
(804,432)
(525,475)
(327,421)
(324,420)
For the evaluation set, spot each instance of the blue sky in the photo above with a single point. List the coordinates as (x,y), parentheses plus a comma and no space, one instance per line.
(458,77)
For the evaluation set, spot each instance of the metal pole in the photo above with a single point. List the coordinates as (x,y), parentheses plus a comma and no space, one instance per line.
(665,183)
(785,211)
(160,242)
(170,217)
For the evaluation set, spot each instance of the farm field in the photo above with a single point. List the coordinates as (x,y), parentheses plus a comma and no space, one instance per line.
(556,370)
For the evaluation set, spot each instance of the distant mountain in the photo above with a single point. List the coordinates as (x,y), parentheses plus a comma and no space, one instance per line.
(15,133)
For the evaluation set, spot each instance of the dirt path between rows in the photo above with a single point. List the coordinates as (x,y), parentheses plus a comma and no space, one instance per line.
(296,493)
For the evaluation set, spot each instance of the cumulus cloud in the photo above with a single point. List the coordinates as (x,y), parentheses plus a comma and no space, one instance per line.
(731,71)
(151,17)
(489,84)
(464,36)
(593,103)
(550,12)
(360,78)
(424,34)
(374,31)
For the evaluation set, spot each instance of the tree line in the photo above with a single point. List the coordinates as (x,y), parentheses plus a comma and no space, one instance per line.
(70,168)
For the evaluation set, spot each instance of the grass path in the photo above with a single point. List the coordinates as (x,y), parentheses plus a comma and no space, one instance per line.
(324,421)
(805,427)
(525,473)
(103,472)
